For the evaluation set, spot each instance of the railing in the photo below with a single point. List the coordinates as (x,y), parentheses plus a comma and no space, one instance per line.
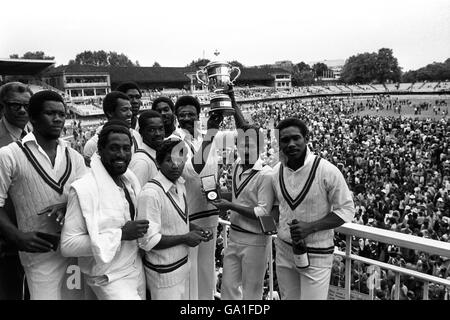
(430,246)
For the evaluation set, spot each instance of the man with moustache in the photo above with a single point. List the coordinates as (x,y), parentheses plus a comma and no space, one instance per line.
(165,107)
(133,92)
(14,125)
(100,228)
(313,199)
(143,162)
(116,106)
(203,161)
(36,173)
(170,235)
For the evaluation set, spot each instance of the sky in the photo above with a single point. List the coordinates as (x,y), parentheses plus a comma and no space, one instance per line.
(175,32)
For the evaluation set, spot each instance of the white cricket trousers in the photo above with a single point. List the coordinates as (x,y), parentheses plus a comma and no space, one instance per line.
(46,278)
(203,269)
(244,266)
(311,283)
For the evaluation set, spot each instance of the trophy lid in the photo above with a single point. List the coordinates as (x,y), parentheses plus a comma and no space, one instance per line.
(214,63)
(217,62)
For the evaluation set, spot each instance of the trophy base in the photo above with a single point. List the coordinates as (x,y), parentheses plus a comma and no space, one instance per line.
(224,111)
(221,103)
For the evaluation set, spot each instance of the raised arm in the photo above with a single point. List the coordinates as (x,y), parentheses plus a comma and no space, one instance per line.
(204,152)
(238,116)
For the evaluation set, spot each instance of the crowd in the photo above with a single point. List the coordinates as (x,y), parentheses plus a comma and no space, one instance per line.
(398,169)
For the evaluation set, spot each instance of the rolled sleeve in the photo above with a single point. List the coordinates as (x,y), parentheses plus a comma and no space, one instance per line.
(339,195)
(150,208)
(90,147)
(80,166)
(143,170)
(139,168)
(265,194)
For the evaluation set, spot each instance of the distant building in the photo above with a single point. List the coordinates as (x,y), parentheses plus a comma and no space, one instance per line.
(79,82)
(84,81)
(334,69)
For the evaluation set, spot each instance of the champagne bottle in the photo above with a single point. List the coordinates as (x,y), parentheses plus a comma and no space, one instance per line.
(301,258)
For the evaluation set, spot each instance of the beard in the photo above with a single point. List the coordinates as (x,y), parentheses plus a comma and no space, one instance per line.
(115,169)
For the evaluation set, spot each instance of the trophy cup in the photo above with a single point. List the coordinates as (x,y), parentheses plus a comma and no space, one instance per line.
(216,75)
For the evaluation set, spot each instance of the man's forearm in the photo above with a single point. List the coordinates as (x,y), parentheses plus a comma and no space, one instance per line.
(169,242)
(247,212)
(7,228)
(238,116)
(330,221)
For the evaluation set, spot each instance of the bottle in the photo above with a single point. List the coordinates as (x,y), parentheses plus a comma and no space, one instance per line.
(301,258)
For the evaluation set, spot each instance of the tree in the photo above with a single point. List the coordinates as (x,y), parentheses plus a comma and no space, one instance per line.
(156,65)
(360,68)
(36,55)
(320,69)
(302,75)
(435,71)
(303,78)
(103,58)
(367,67)
(119,60)
(409,76)
(302,66)
(387,66)
(236,63)
(198,63)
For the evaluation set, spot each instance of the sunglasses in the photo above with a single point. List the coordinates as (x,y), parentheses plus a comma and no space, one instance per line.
(16,106)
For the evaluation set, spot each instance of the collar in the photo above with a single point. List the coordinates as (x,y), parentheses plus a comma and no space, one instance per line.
(259,164)
(309,157)
(166,183)
(148,149)
(184,134)
(31,138)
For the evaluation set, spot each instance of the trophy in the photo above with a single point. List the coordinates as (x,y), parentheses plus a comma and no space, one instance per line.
(216,75)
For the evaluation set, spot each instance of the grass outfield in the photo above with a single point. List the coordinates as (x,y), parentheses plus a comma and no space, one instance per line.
(408,110)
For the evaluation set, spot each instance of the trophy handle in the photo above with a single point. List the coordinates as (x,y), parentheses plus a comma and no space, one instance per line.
(198,78)
(238,73)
